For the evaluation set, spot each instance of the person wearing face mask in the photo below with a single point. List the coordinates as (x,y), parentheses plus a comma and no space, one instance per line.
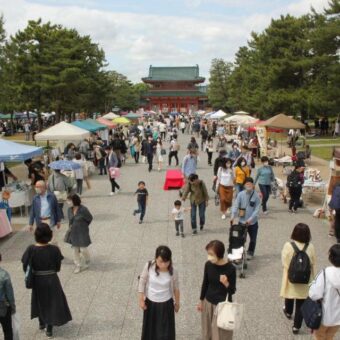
(234,153)
(79,235)
(219,285)
(265,177)
(159,296)
(224,185)
(45,209)
(295,182)
(246,208)
(241,172)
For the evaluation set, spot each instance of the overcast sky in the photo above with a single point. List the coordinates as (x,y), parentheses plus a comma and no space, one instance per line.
(137,33)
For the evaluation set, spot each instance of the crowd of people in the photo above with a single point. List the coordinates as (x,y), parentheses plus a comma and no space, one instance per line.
(234,178)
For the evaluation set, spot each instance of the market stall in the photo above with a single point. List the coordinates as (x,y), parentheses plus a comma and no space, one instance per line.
(110,116)
(220,114)
(20,192)
(106,122)
(121,121)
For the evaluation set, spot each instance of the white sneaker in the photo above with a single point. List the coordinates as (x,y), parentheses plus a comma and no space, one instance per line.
(224,217)
(266,212)
(77,270)
(112,193)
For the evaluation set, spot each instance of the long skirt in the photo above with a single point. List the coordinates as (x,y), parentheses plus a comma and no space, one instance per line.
(49,302)
(226,197)
(210,331)
(159,321)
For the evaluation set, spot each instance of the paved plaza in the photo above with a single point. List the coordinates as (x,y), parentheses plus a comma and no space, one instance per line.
(103,299)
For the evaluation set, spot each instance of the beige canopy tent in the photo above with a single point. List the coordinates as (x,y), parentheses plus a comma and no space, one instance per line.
(110,116)
(63,132)
(282,121)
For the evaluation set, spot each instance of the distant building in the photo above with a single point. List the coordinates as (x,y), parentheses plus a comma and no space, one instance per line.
(175,89)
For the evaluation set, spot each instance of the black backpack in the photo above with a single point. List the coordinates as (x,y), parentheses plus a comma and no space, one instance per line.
(300,268)
(293,180)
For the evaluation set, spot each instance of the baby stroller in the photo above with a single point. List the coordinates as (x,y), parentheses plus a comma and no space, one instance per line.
(236,251)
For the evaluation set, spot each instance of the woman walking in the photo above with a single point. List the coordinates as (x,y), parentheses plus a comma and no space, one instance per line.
(159,296)
(112,162)
(210,149)
(225,185)
(294,292)
(265,176)
(79,173)
(241,172)
(219,284)
(326,287)
(159,150)
(48,301)
(79,235)
(136,144)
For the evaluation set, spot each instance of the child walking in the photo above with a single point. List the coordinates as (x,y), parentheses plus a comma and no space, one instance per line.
(178,214)
(142,199)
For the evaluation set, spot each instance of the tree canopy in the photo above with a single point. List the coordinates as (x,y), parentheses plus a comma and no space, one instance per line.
(291,67)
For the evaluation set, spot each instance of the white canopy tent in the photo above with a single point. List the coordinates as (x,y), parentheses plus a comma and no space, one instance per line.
(110,116)
(241,113)
(208,114)
(241,120)
(63,132)
(218,115)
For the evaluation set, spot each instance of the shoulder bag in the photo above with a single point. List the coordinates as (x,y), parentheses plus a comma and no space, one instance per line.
(29,276)
(60,195)
(229,315)
(312,310)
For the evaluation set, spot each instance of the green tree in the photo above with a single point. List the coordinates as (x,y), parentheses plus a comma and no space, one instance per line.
(218,91)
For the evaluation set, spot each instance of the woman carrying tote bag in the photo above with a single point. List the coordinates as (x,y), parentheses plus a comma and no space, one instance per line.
(219,284)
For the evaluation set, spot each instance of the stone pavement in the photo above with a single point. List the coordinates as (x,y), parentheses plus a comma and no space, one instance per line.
(103,299)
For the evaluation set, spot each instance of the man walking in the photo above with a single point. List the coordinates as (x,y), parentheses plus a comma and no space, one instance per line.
(45,209)
(150,148)
(198,198)
(247,207)
(189,164)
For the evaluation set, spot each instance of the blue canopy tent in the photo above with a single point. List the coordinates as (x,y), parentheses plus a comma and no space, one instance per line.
(88,125)
(95,123)
(16,152)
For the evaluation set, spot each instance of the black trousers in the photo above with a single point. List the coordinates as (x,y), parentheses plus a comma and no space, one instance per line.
(295,194)
(49,328)
(114,184)
(6,323)
(173,154)
(136,156)
(289,307)
(163,133)
(150,160)
(337,225)
(209,157)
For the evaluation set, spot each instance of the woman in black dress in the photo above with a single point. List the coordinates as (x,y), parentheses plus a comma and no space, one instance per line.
(219,284)
(48,302)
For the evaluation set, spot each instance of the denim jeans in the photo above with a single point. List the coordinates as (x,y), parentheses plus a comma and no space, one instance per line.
(252,232)
(265,191)
(102,166)
(238,188)
(201,211)
(141,210)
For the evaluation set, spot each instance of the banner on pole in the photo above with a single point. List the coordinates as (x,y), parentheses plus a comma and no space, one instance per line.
(261,133)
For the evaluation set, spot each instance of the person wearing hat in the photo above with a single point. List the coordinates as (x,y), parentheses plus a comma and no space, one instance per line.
(247,208)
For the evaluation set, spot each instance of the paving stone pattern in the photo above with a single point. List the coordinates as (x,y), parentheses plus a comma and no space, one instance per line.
(103,299)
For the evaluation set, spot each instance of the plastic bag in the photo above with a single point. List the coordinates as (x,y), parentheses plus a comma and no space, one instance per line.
(15,326)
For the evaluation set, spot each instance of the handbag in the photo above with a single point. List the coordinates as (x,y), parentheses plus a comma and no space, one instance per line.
(29,276)
(229,315)
(67,237)
(114,172)
(312,310)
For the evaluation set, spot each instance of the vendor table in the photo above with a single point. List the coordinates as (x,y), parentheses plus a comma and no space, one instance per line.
(173,179)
